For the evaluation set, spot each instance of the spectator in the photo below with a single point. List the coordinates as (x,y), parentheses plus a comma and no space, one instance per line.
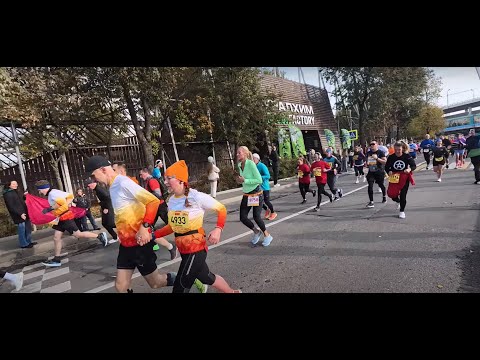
(18,211)
(213,177)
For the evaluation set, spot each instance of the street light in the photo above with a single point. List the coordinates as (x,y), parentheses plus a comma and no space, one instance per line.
(447,95)
(473,93)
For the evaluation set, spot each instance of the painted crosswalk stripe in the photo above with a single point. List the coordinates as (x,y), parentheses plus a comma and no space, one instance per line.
(59,288)
(55,273)
(33,274)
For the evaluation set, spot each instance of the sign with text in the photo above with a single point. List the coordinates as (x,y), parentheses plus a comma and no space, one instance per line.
(353,134)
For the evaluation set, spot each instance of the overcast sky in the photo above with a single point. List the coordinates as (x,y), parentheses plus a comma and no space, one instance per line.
(463,82)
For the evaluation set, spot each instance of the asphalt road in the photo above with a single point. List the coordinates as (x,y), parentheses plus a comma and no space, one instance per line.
(343,248)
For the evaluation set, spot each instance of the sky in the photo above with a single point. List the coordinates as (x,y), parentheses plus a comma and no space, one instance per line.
(461,83)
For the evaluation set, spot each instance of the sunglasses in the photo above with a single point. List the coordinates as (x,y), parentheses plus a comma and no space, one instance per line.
(373,144)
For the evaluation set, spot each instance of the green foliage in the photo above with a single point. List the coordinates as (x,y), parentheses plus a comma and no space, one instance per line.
(287,168)
(382,98)
(430,120)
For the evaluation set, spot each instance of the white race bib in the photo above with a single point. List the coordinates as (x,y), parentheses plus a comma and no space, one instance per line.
(426,150)
(253,200)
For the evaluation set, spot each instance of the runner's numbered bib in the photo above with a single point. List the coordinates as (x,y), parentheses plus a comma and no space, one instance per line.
(179,219)
(317,172)
(355,157)
(394,178)
(372,164)
(426,150)
(300,174)
(439,159)
(253,200)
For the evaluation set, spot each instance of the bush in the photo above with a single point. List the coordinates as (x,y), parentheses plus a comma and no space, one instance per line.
(7,227)
(288,168)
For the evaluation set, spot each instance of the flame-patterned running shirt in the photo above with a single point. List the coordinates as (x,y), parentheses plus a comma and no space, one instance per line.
(133,206)
(182,219)
(60,201)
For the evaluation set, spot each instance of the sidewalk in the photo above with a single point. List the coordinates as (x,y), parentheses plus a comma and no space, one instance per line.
(12,255)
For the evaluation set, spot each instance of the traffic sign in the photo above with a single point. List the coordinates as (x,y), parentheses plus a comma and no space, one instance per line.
(353,134)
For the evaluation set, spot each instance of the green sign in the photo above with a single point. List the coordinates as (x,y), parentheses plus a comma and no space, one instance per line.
(284,149)
(298,144)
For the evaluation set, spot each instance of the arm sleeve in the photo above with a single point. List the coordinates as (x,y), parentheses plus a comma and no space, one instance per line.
(164,231)
(264,172)
(411,162)
(62,204)
(388,164)
(155,186)
(206,202)
(252,169)
(143,196)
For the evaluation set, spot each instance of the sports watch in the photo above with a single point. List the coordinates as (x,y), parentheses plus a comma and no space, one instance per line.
(146,225)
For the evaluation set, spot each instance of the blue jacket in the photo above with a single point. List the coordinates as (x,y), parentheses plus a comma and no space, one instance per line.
(427,144)
(265,174)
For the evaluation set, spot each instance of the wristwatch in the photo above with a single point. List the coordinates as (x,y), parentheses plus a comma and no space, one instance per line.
(146,225)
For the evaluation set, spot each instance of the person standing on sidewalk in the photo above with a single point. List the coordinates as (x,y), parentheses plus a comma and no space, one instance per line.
(15,279)
(18,211)
(82,201)
(250,178)
(274,158)
(186,211)
(270,214)
(473,148)
(108,217)
(135,210)
(60,203)
(213,176)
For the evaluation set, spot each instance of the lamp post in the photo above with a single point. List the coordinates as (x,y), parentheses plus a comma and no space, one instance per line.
(447,95)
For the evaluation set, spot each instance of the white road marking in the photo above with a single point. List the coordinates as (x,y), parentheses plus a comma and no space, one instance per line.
(229,240)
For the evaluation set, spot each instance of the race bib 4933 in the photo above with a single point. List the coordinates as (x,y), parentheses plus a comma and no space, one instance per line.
(317,172)
(178,219)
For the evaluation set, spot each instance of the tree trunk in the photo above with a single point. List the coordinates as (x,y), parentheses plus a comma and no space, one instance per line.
(144,144)
(55,166)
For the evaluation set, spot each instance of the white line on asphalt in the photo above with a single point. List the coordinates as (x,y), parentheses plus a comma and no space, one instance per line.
(55,273)
(137,274)
(59,288)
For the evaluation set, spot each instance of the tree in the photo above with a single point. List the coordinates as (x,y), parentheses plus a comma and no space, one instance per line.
(429,121)
(384,99)
(242,112)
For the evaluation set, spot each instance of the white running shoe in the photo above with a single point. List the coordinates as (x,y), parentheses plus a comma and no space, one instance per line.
(439,180)
(356,181)
(379,190)
(18,282)
(401,215)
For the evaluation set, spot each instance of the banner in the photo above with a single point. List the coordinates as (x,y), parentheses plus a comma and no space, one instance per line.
(36,204)
(330,136)
(345,138)
(298,145)
(284,149)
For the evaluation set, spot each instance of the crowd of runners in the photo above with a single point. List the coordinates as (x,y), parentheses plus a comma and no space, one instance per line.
(134,210)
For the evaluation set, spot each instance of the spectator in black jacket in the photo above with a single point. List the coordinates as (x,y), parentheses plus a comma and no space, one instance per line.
(18,211)
(108,216)
(273,155)
(82,201)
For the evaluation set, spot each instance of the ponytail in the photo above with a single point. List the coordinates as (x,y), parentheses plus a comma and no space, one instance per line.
(187,190)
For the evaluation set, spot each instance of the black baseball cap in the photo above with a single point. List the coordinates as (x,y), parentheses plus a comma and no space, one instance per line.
(94,163)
